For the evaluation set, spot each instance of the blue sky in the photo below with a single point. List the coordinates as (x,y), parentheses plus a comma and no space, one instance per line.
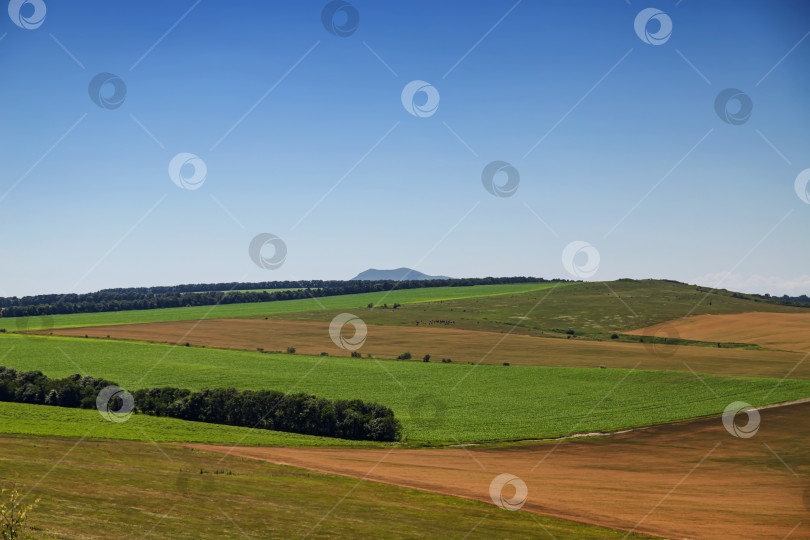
(304,135)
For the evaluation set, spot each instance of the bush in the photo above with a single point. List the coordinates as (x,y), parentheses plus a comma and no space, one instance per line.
(614,336)
(426,358)
(356,354)
(446,360)
(324,354)
(13,514)
(404,356)
(570,332)
(291,350)
(506,363)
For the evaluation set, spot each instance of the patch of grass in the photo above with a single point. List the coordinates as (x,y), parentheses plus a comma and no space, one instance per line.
(439,402)
(23,418)
(263,309)
(168,491)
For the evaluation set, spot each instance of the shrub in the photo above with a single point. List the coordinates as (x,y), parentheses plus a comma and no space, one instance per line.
(291,350)
(426,358)
(356,354)
(506,363)
(446,360)
(324,354)
(614,336)
(13,514)
(570,332)
(404,356)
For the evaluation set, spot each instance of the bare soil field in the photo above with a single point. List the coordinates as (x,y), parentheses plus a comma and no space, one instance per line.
(781,331)
(686,480)
(310,337)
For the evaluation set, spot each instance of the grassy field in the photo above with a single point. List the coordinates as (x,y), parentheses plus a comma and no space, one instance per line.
(98,489)
(589,309)
(63,422)
(263,309)
(436,402)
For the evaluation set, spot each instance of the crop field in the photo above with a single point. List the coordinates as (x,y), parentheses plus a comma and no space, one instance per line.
(757,485)
(461,346)
(98,489)
(262,309)
(435,402)
(593,310)
(784,331)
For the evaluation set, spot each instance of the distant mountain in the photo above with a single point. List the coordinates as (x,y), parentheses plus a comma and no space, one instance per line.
(398,274)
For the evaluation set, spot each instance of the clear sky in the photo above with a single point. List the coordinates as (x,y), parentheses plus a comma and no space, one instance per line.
(304,134)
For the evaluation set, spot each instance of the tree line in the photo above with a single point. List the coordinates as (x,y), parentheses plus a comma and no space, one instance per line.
(262,409)
(218,293)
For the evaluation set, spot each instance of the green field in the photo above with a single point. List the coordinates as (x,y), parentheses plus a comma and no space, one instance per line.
(488,402)
(99,489)
(262,309)
(64,422)
(590,309)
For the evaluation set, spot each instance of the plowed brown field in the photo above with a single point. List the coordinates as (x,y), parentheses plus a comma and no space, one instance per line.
(783,331)
(687,480)
(460,345)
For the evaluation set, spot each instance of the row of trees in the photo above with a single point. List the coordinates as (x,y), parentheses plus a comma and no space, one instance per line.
(263,409)
(211,294)
(269,409)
